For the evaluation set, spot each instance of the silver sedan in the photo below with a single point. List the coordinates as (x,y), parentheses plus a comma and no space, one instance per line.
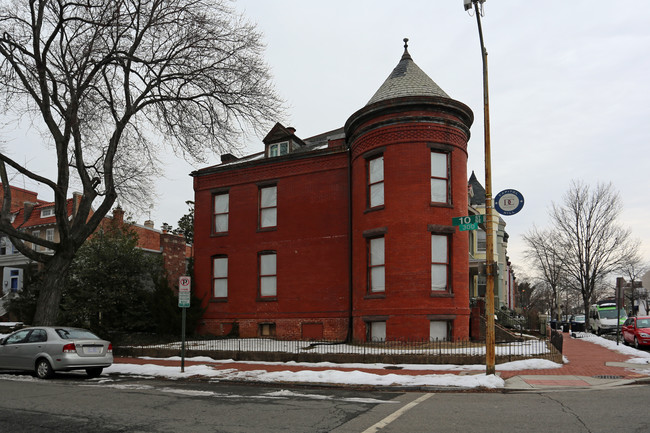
(47,349)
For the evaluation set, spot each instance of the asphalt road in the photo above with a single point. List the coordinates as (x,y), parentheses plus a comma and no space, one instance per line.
(72,403)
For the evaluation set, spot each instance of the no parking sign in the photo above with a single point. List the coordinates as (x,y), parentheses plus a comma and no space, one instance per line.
(184,284)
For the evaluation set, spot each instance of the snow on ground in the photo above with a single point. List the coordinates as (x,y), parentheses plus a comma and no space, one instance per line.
(335,376)
(310,376)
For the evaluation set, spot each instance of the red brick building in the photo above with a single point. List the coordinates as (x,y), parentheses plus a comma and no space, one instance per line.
(346,234)
(36,216)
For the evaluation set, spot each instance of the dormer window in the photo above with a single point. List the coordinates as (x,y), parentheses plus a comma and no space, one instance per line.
(47,212)
(278,149)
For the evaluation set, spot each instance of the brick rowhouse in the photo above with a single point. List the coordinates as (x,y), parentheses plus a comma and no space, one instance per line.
(346,234)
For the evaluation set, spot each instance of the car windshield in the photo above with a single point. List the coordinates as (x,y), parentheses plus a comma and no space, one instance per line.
(72,334)
(580,318)
(643,323)
(611,314)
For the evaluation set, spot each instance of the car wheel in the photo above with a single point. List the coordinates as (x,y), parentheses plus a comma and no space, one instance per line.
(44,369)
(636,343)
(94,372)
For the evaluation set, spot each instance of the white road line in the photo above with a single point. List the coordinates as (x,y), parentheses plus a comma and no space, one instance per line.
(392,417)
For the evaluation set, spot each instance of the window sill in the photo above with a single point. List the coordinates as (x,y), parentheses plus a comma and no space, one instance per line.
(375,295)
(218,300)
(267,229)
(374,209)
(441,294)
(219,235)
(437,204)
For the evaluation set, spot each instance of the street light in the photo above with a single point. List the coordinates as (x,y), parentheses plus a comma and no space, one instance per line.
(490,266)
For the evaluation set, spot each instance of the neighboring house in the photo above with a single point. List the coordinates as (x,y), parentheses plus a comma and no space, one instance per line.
(345,234)
(37,216)
(504,283)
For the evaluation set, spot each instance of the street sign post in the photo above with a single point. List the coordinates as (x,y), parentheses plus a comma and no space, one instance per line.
(184,293)
(469,222)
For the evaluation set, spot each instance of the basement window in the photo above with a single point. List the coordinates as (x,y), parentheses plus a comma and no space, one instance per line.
(266,329)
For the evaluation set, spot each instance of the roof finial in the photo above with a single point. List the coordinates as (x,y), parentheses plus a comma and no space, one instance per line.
(406,54)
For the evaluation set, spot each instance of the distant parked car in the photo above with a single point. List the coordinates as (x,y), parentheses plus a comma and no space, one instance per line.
(636,331)
(46,350)
(578,323)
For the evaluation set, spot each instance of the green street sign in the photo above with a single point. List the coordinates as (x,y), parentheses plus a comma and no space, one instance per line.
(474,220)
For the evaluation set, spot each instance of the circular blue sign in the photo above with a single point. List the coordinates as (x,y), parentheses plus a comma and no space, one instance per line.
(508,202)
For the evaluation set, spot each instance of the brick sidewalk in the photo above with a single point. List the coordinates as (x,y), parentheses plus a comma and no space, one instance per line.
(585,359)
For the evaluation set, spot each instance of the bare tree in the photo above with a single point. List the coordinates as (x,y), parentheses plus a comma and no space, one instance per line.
(633,271)
(588,230)
(108,81)
(548,257)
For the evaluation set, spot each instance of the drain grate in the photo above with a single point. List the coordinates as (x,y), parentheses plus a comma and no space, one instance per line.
(607,376)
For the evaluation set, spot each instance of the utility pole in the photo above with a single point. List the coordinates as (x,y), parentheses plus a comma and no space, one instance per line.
(490,265)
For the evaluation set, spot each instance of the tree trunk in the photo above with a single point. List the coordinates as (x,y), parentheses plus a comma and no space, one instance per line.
(51,287)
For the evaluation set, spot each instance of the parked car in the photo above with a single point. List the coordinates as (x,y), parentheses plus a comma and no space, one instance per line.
(46,350)
(636,331)
(578,323)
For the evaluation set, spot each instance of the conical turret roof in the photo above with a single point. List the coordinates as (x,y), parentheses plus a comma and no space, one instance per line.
(407,79)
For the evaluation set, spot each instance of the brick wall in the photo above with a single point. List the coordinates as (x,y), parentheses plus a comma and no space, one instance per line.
(311,243)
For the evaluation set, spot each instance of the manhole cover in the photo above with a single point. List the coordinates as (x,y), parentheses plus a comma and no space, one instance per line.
(606,376)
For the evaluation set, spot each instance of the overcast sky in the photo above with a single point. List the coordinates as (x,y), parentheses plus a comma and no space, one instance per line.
(569,90)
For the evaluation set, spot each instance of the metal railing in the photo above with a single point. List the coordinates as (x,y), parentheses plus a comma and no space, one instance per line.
(403,351)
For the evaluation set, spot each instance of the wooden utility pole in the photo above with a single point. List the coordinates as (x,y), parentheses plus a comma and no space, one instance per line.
(490,265)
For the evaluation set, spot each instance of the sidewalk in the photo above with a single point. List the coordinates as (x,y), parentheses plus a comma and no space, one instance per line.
(589,366)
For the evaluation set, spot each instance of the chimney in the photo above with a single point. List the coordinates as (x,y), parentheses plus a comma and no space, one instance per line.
(118,215)
(28,208)
(148,224)
(76,199)
(291,129)
(228,157)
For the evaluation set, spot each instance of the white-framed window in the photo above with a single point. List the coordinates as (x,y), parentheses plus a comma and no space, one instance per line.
(376,265)
(481,241)
(220,277)
(268,206)
(376,181)
(36,233)
(47,212)
(278,149)
(268,274)
(439,330)
(49,236)
(221,210)
(439,177)
(377,331)
(439,262)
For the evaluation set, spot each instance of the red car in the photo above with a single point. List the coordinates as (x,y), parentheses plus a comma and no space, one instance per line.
(636,331)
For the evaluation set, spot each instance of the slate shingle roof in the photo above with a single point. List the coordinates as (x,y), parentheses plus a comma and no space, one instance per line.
(407,79)
(479,192)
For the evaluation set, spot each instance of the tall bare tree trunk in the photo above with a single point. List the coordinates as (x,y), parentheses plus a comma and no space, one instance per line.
(51,287)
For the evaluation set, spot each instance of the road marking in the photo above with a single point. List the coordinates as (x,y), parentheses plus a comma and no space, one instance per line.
(392,417)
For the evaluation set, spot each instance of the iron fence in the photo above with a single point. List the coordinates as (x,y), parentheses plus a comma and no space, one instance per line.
(403,351)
